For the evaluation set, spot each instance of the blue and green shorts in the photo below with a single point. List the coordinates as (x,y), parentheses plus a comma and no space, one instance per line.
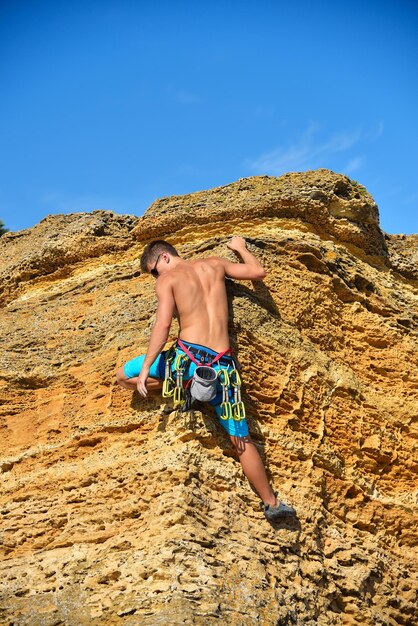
(203,355)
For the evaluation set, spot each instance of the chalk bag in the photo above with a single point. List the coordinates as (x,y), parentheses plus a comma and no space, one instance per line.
(204,383)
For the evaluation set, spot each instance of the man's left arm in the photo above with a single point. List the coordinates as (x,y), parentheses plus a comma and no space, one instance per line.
(160,332)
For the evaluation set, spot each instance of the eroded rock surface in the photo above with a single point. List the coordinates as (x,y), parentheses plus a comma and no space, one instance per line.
(115,510)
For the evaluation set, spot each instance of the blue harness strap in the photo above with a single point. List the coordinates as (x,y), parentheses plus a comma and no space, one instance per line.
(191,357)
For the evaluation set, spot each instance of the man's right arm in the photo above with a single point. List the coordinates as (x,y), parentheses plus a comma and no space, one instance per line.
(160,331)
(250,269)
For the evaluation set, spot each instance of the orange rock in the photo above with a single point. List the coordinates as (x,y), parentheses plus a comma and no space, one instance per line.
(114,508)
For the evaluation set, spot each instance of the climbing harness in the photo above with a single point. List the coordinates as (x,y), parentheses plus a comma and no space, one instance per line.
(203,385)
(191,357)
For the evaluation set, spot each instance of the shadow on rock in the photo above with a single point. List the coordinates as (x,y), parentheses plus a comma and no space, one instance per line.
(288,523)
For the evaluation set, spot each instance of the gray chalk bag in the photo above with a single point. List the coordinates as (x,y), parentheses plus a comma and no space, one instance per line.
(204,383)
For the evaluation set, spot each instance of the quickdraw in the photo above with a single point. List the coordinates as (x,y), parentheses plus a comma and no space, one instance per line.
(168,384)
(179,395)
(235,411)
(238,408)
(225,408)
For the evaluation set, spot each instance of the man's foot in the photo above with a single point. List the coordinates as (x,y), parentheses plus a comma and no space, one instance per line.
(280,510)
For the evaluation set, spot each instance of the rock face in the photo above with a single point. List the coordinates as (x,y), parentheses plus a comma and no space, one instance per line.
(116,511)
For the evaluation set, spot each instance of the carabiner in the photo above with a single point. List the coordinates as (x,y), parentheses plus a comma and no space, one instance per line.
(226,412)
(179,363)
(238,411)
(178,396)
(168,387)
(235,378)
(223,378)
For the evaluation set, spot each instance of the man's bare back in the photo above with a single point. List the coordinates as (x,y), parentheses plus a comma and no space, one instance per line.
(200,298)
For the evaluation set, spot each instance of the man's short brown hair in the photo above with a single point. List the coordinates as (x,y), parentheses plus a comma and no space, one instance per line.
(153,250)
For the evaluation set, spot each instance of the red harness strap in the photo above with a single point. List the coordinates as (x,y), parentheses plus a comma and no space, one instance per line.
(190,355)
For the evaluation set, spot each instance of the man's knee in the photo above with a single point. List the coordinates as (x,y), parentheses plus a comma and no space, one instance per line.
(120,376)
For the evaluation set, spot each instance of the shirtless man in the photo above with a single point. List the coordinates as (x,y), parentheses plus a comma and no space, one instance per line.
(195,291)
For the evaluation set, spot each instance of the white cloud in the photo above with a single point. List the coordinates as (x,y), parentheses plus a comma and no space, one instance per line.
(375,132)
(353,165)
(185,97)
(263,111)
(412,199)
(309,151)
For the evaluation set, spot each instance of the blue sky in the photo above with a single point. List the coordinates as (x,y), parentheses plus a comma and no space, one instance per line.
(113,104)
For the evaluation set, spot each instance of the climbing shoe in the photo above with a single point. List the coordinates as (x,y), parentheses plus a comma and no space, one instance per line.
(279,511)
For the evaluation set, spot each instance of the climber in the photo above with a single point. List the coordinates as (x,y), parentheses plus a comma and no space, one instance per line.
(195,291)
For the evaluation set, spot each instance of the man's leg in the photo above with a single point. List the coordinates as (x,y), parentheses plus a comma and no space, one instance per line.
(130,383)
(253,468)
(127,375)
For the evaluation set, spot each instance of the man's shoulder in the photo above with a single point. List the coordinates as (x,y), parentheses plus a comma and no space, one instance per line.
(164,283)
(212,260)
(216,263)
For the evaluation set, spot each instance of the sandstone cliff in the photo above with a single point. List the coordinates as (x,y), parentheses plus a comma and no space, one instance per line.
(116,511)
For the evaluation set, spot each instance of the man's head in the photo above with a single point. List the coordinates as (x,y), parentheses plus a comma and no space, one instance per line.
(152,254)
